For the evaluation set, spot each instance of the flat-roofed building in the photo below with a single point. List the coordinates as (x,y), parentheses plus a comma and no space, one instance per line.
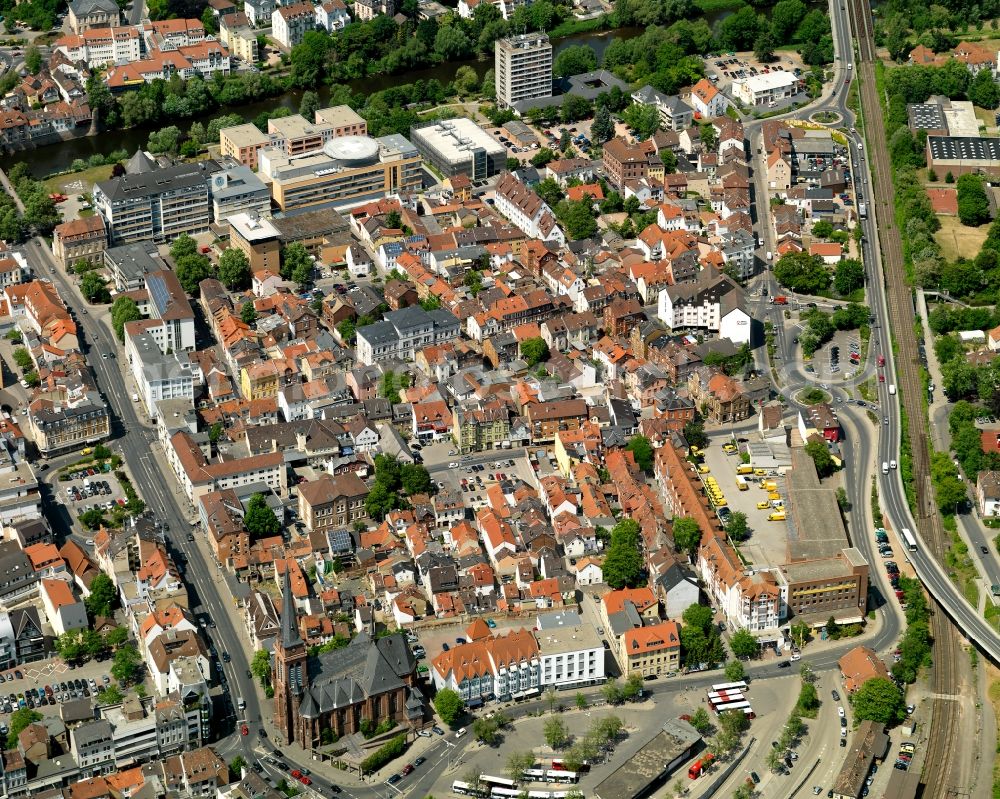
(295,134)
(349,170)
(343,120)
(523,66)
(80,239)
(129,264)
(158,375)
(767,88)
(571,652)
(653,764)
(258,239)
(238,191)
(962,154)
(160,205)
(242,143)
(460,147)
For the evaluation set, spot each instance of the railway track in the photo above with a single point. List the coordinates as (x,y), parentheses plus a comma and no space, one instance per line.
(940,761)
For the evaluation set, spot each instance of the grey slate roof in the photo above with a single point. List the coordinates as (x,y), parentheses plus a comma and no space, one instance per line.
(363,668)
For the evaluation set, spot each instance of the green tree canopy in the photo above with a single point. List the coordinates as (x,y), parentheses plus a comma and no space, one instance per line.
(623,564)
(234,269)
(260,520)
(123,311)
(879,700)
(102,596)
(94,288)
(802,272)
(574,60)
(449,706)
(183,245)
(248,314)
(191,270)
(973,204)
(849,275)
(687,535)
(642,451)
(744,645)
(20,719)
(127,664)
(820,453)
(534,350)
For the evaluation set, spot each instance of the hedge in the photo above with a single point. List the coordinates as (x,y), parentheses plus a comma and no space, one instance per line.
(387,752)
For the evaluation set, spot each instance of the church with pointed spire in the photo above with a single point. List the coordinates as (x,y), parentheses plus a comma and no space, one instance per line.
(369,679)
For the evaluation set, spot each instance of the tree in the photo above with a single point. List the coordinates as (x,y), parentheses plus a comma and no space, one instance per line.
(698,616)
(973,204)
(542,157)
(20,719)
(785,18)
(808,700)
(737,527)
(295,262)
(850,275)
(415,479)
(33,60)
(534,350)
(744,646)
(623,564)
(94,288)
(879,700)
(114,638)
(822,229)
(740,30)
(123,311)
(983,90)
(260,666)
(183,245)
(612,692)
(70,647)
(700,721)
(556,734)
(602,129)
(802,272)
(518,763)
(309,104)
(581,701)
(259,519)
(248,314)
(466,80)
(238,763)
(486,730)
(574,60)
(102,596)
(642,451)
(191,270)
(449,706)
(632,689)
(694,433)
(110,695)
(643,119)
(763,47)
(687,535)
(234,269)
(381,501)
(126,665)
(820,453)
(451,43)
(23,359)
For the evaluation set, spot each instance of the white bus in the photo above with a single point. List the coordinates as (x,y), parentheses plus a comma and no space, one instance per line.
(504,793)
(730,686)
(534,775)
(497,782)
(464,789)
(908,539)
(743,707)
(563,777)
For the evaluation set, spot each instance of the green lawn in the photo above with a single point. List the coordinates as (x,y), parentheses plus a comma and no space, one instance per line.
(88,177)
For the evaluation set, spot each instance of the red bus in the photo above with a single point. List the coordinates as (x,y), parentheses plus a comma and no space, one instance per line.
(699,766)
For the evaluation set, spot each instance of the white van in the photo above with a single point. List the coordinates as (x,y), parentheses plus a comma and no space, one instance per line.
(460,732)
(892,464)
(241,703)
(892,388)
(885,468)
(768,255)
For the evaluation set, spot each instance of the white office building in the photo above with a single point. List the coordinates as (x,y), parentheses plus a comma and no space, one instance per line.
(523,67)
(570,651)
(767,88)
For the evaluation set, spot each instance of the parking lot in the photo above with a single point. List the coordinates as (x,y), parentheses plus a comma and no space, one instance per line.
(53,679)
(89,489)
(726,68)
(767,540)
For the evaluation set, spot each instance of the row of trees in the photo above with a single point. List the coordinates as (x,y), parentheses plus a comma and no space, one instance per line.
(808,274)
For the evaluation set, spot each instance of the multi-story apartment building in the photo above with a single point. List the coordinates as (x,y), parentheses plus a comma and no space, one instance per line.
(87,14)
(171,321)
(545,419)
(652,651)
(58,427)
(502,667)
(571,652)
(330,503)
(159,205)
(239,36)
(290,23)
(347,171)
(258,239)
(100,47)
(198,476)
(401,333)
(296,135)
(529,212)
(93,749)
(477,428)
(332,15)
(159,375)
(749,599)
(523,66)
(712,302)
(625,162)
(80,239)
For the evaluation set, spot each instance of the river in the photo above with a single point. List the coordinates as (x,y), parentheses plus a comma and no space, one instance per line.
(52,158)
